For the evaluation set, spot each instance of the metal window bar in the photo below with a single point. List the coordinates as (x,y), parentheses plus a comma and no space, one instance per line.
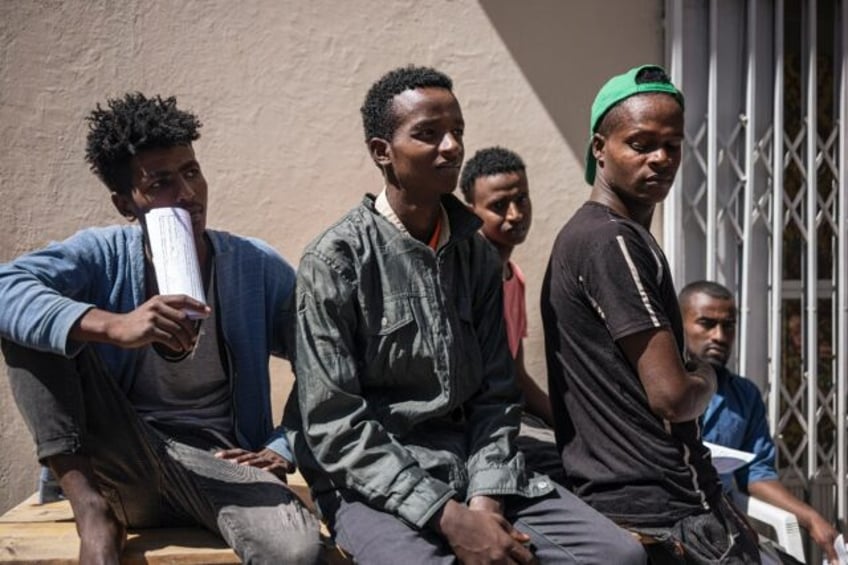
(811,368)
(776,288)
(842,274)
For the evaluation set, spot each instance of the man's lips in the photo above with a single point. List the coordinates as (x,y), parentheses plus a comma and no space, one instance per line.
(516,231)
(660,180)
(716,350)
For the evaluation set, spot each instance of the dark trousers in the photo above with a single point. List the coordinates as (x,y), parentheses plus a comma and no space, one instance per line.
(562,529)
(149,478)
(720,536)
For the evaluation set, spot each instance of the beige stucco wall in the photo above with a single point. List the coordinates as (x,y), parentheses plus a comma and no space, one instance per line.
(278,85)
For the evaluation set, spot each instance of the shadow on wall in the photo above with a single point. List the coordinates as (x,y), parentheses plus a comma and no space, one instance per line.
(568,47)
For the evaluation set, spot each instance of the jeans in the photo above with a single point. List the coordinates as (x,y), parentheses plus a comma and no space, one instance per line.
(152,478)
(562,529)
(721,535)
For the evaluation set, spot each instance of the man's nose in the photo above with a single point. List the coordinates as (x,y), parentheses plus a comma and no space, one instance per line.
(719,334)
(451,145)
(661,156)
(514,212)
(186,191)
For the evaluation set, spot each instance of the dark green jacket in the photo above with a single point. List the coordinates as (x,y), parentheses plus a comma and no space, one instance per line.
(405,384)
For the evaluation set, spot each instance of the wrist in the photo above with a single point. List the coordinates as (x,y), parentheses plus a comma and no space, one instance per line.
(443,518)
(94,325)
(487,503)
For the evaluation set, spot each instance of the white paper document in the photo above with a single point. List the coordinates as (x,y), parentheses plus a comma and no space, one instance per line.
(174,254)
(726,460)
(841,550)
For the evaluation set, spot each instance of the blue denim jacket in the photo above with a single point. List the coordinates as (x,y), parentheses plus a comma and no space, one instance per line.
(405,383)
(44,293)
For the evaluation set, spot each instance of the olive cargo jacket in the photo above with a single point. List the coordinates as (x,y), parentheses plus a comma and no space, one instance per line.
(405,385)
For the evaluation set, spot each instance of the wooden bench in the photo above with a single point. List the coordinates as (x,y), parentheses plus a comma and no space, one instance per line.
(46,534)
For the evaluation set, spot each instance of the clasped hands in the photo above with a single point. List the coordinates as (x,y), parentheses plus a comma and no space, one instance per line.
(478,533)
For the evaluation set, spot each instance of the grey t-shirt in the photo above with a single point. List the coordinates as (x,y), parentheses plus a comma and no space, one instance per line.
(193,393)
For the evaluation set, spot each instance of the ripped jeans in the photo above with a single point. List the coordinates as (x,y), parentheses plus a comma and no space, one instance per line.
(152,478)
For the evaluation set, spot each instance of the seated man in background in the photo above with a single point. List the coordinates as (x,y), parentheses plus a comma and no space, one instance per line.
(494,183)
(146,416)
(406,390)
(736,415)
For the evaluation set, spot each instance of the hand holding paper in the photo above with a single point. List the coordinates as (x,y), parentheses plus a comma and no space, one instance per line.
(175,255)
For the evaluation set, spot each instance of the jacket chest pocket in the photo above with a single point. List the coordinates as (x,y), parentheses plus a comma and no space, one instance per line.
(392,342)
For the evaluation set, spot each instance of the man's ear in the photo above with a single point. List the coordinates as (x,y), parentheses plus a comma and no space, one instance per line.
(381,152)
(124,205)
(598,144)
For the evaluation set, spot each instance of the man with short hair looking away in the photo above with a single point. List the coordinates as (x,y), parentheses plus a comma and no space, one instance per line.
(736,415)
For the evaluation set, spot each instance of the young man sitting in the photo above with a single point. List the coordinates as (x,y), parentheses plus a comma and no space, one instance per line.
(146,417)
(626,404)
(494,183)
(405,386)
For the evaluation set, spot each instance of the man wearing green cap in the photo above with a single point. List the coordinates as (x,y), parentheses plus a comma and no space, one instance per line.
(625,402)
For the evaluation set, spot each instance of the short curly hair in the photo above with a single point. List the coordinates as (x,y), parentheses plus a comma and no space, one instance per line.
(129,125)
(486,162)
(377,116)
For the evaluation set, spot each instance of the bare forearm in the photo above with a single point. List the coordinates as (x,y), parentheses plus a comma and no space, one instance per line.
(778,495)
(700,388)
(821,531)
(675,393)
(93,326)
(162,319)
(535,399)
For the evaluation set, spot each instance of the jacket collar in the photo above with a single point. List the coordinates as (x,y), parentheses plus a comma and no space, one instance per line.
(463,222)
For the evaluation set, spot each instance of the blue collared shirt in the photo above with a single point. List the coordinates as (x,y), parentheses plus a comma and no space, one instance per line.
(736,418)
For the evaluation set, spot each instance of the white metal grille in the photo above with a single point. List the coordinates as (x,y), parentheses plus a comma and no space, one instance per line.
(761,205)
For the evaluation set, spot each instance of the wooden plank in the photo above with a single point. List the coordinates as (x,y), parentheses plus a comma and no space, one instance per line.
(57,543)
(46,534)
(31,511)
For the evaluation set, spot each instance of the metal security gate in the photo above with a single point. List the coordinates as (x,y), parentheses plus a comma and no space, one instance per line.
(761,205)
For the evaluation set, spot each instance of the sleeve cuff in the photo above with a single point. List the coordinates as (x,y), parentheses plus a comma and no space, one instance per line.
(280,445)
(425,499)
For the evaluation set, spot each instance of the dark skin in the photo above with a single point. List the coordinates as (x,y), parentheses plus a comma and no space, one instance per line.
(160,177)
(420,163)
(637,161)
(710,326)
(502,201)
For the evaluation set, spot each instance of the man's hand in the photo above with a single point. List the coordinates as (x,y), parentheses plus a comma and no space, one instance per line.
(267,459)
(161,319)
(482,536)
(824,535)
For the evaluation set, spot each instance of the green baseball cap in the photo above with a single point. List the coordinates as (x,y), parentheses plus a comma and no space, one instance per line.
(616,89)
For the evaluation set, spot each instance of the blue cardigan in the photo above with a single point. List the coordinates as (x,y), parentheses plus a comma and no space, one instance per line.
(44,293)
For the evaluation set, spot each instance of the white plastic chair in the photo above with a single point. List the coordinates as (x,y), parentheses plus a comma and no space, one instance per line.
(784,523)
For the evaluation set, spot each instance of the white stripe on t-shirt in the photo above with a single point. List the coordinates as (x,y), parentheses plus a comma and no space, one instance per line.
(637,280)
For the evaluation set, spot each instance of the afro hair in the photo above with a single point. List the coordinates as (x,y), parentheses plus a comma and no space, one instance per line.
(129,125)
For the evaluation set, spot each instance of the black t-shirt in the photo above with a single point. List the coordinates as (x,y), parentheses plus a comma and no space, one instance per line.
(607,278)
